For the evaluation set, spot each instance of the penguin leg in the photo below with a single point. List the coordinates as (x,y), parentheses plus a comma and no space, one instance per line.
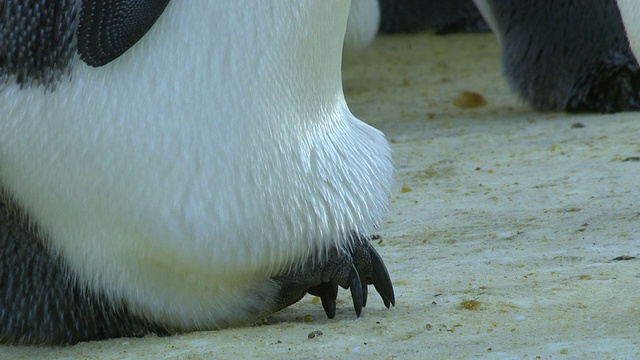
(612,85)
(566,55)
(355,269)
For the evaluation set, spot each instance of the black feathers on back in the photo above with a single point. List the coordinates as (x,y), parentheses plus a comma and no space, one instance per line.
(39,38)
(108,28)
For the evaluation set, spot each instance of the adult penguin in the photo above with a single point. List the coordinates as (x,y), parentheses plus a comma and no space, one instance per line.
(170,167)
(566,55)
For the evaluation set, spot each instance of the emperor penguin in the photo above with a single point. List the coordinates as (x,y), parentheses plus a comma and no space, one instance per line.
(176,166)
(566,55)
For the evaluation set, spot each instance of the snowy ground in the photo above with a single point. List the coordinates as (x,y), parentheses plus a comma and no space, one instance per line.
(502,237)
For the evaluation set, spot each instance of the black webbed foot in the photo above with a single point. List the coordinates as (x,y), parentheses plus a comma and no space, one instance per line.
(353,270)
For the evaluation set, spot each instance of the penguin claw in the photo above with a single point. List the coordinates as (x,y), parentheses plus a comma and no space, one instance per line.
(356,290)
(381,280)
(365,292)
(328,293)
(355,270)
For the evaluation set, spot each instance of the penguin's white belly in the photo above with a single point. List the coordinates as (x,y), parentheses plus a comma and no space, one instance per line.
(183,188)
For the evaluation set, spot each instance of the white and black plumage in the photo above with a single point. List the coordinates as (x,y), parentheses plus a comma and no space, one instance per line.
(565,54)
(179,166)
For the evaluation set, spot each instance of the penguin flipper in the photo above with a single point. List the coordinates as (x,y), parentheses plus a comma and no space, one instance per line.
(355,270)
(109,28)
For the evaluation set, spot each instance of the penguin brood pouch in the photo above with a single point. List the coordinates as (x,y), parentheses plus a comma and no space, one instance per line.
(178,166)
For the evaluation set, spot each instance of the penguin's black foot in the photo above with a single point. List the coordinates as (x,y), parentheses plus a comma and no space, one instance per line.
(612,85)
(354,270)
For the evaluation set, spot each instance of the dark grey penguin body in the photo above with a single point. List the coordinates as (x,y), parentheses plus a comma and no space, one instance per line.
(444,16)
(567,55)
(43,297)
